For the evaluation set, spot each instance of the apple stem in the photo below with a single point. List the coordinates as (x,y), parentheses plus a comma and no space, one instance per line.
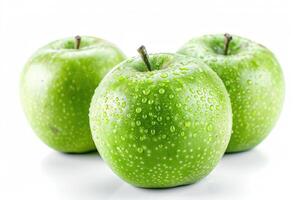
(77,42)
(143,52)
(227,39)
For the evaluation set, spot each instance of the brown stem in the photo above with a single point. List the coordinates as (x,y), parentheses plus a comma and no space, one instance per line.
(227,39)
(77,42)
(143,52)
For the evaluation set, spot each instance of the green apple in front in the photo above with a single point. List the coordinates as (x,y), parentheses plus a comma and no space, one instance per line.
(57,85)
(253,79)
(163,125)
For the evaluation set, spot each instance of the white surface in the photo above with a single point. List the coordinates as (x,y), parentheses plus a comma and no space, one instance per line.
(30,170)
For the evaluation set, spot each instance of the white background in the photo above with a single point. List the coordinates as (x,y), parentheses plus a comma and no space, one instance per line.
(30,170)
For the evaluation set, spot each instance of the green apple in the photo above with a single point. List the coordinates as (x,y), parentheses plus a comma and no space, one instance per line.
(161,121)
(57,85)
(253,79)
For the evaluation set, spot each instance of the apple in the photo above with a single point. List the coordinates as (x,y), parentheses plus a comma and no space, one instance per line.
(57,85)
(254,81)
(161,121)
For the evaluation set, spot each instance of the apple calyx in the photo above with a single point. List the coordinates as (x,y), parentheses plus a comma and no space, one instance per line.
(227,39)
(77,42)
(143,52)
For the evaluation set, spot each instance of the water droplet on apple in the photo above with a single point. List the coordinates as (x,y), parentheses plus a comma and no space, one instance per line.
(172,128)
(138,123)
(209,127)
(144,100)
(178,89)
(138,110)
(161,91)
(144,116)
(150,101)
(140,150)
(142,138)
(178,105)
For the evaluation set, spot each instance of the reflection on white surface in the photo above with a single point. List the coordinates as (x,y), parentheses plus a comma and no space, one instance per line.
(87,177)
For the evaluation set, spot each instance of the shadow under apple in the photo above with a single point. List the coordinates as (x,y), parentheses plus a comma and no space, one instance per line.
(82,176)
(78,176)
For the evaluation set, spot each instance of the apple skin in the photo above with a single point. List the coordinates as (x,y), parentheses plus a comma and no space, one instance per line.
(253,79)
(161,128)
(57,85)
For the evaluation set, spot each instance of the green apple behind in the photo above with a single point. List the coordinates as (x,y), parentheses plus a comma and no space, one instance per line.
(254,81)
(57,85)
(161,128)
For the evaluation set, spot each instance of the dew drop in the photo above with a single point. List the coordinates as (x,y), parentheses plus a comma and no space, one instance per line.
(249,82)
(152,132)
(171,96)
(146,92)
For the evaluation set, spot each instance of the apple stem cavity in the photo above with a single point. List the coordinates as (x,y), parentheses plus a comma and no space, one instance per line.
(77,42)
(227,39)
(143,52)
